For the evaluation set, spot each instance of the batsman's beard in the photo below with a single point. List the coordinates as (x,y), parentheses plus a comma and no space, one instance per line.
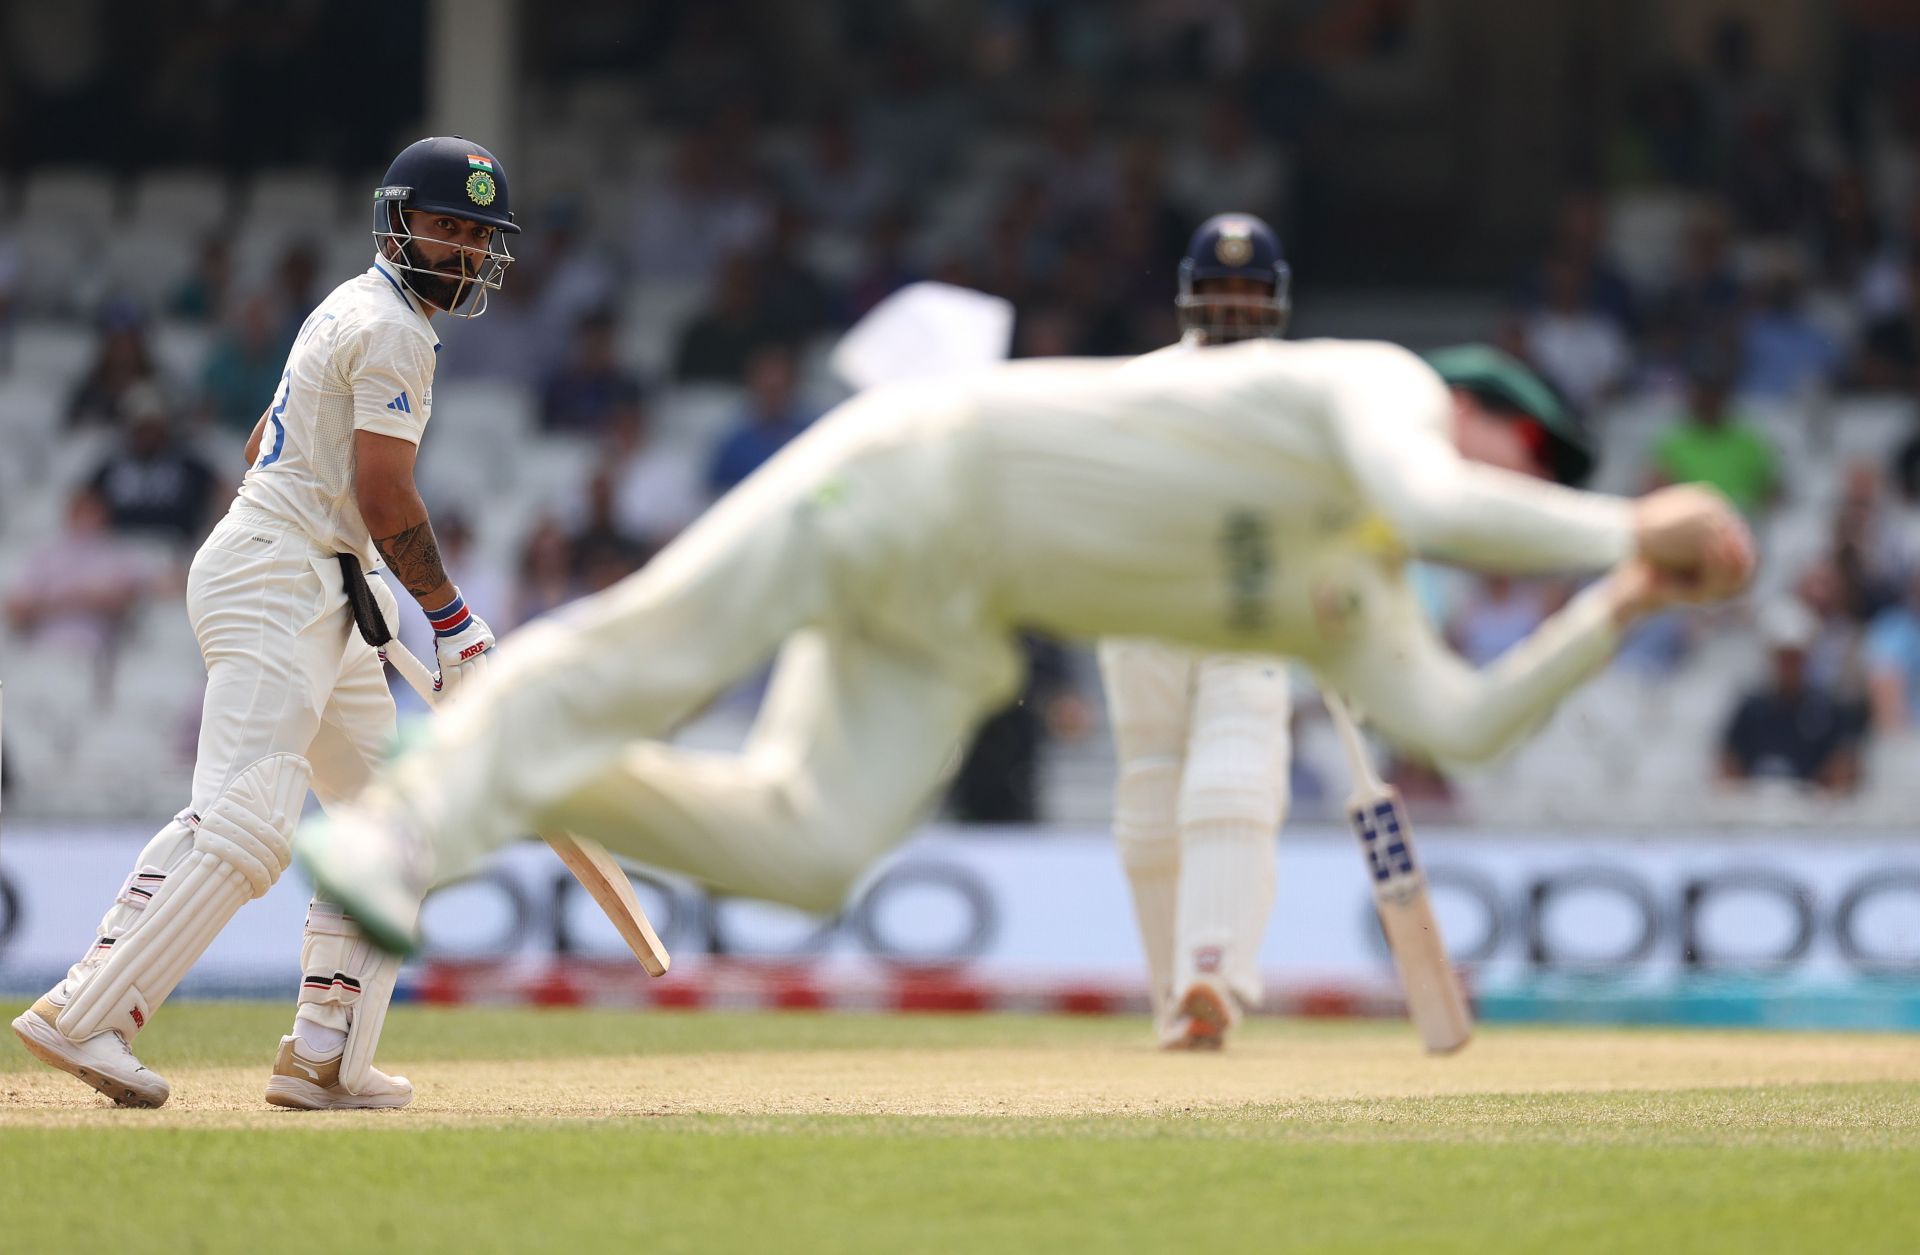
(438,286)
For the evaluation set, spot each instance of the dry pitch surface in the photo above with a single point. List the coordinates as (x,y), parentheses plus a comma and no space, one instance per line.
(791,1132)
(1019,1067)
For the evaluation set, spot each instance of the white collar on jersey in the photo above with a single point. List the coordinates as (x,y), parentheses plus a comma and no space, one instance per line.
(407,298)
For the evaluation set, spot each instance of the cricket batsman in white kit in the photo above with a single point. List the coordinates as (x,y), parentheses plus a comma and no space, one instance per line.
(1253,498)
(1202,739)
(296,698)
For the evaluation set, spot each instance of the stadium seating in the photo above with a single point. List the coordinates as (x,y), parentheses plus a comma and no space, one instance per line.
(1628,748)
(182,202)
(83,201)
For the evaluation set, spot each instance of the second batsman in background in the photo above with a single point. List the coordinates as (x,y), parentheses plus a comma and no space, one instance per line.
(1202,739)
(295,699)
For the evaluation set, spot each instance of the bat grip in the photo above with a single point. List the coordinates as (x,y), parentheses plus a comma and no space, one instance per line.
(412,670)
(1366,781)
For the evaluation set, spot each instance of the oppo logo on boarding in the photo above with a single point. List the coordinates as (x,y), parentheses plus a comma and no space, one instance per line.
(920,912)
(9,911)
(1602,919)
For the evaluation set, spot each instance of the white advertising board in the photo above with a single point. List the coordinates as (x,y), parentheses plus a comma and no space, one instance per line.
(1036,903)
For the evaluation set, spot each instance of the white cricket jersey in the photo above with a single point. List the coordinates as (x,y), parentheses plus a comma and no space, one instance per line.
(1268,455)
(363,361)
(1182,345)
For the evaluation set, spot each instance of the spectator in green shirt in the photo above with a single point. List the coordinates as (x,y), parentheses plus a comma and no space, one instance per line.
(1711,446)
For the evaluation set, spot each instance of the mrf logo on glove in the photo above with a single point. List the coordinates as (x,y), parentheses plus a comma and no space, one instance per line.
(461,641)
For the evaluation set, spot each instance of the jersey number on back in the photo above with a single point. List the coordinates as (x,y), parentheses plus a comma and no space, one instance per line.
(279,427)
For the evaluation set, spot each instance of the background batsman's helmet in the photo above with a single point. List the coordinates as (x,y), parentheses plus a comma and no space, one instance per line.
(1506,385)
(447,175)
(1234,246)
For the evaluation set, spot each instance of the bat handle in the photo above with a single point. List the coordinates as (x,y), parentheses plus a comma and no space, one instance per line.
(1366,781)
(412,670)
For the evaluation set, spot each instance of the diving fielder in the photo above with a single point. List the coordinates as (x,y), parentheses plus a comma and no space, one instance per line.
(1253,498)
(295,698)
(1202,739)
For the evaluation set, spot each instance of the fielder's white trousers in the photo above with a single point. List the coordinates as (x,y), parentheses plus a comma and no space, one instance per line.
(893,550)
(841,556)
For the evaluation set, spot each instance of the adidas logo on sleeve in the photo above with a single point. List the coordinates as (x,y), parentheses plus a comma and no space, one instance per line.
(400,403)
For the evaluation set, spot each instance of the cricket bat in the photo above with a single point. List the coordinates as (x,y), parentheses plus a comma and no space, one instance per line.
(598,872)
(1435,1002)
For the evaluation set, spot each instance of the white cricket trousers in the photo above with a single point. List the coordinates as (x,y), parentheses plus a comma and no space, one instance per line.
(286,672)
(852,555)
(286,668)
(1203,750)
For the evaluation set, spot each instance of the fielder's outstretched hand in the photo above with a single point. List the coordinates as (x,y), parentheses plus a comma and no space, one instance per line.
(1636,588)
(1694,542)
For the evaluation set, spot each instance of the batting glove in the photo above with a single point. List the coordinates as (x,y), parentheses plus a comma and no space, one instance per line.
(462,641)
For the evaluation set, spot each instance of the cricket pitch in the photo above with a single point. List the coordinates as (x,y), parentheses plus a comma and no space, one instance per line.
(896,1133)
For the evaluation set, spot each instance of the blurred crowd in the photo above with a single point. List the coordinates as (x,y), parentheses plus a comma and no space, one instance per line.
(1779,266)
(1735,249)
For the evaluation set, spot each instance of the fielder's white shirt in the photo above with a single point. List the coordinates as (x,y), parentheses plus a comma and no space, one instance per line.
(1315,428)
(1262,497)
(363,361)
(1182,345)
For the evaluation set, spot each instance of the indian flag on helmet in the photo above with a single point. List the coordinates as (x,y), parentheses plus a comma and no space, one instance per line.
(476,162)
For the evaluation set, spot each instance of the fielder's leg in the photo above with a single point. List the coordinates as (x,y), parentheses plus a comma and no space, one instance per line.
(861,525)
(1232,799)
(346,982)
(852,746)
(1149,690)
(570,696)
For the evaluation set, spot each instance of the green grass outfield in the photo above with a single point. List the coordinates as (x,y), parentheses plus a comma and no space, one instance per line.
(589,1131)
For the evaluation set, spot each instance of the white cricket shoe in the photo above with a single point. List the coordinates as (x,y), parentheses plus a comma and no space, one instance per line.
(308,1082)
(374,867)
(1201,1019)
(104,1060)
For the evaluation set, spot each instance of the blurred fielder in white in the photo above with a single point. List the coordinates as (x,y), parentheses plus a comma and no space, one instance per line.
(295,697)
(1202,739)
(1254,498)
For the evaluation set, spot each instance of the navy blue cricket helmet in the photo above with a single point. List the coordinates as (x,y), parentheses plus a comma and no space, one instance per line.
(1234,246)
(450,175)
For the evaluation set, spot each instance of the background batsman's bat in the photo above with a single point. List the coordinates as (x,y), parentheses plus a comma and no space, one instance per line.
(1435,1002)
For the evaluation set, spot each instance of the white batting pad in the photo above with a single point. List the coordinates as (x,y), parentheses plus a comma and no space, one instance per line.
(346,983)
(922,331)
(240,847)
